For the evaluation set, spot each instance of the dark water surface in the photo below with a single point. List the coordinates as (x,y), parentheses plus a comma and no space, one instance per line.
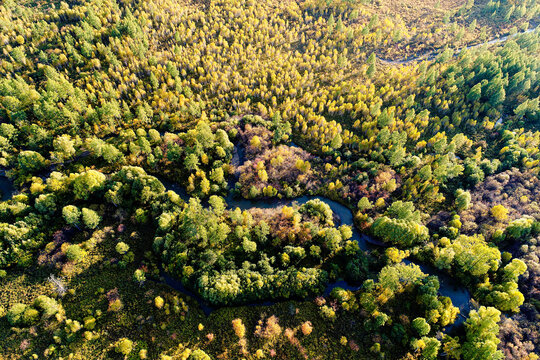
(6,187)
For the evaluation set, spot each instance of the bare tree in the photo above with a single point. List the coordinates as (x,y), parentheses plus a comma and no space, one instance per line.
(58,284)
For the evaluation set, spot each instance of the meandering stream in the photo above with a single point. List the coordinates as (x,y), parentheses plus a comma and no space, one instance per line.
(459,295)
(431,55)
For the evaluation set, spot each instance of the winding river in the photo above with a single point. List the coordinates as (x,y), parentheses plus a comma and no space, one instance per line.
(431,55)
(448,286)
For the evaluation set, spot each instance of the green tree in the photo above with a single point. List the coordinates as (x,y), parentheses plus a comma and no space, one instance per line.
(90,218)
(124,346)
(481,335)
(87,183)
(75,253)
(199,355)
(71,214)
(463,199)
(421,326)
(63,148)
(31,161)
(15,314)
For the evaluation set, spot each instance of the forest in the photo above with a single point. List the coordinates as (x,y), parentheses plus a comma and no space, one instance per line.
(240,179)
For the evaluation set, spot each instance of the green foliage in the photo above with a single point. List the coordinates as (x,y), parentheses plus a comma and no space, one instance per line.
(47,306)
(97,95)
(421,326)
(481,335)
(87,183)
(75,253)
(400,232)
(90,218)
(122,248)
(71,214)
(15,314)
(31,162)
(463,200)
(199,355)
(124,346)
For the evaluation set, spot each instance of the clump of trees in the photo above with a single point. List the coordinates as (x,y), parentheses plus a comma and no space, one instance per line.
(233,256)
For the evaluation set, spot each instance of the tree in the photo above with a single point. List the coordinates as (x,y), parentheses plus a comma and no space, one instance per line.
(139,276)
(499,212)
(63,148)
(47,306)
(15,314)
(364,204)
(90,218)
(124,346)
(85,184)
(336,142)
(31,161)
(481,335)
(463,199)
(122,248)
(71,214)
(75,253)
(404,210)
(45,204)
(475,93)
(199,355)
(239,328)
(431,349)
(400,232)
(191,162)
(255,142)
(421,326)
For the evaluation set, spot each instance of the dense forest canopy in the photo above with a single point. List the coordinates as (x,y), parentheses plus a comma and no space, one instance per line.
(310,179)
